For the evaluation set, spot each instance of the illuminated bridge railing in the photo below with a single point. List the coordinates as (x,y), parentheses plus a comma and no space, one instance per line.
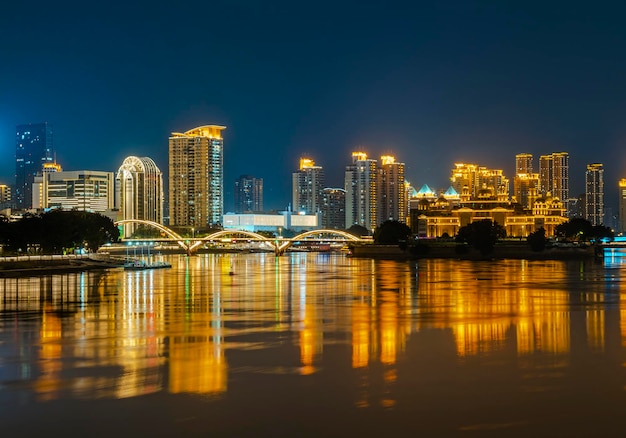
(279,245)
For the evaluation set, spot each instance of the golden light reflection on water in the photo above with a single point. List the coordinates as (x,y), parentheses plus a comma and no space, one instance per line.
(123,334)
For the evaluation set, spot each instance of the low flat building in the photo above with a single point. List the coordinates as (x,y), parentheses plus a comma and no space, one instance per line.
(275,223)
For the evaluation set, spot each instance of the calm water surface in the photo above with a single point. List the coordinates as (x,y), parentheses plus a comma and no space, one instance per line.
(317,345)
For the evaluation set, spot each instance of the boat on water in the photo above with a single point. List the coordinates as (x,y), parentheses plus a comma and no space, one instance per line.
(138,265)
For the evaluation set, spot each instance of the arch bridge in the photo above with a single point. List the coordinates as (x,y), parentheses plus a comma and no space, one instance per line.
(279,245)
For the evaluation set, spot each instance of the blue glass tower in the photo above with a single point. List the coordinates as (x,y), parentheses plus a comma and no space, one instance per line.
(33,149)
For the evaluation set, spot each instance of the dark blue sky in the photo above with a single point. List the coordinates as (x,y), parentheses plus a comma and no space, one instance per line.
(432,83)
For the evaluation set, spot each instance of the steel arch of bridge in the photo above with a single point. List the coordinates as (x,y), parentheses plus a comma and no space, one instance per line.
(279,245)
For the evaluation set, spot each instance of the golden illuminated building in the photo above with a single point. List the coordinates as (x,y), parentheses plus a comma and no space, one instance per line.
(554,175)
(622,205)
(361,185)
(594,193)
(474,182)
(196,175)
(307,187)
(392,193)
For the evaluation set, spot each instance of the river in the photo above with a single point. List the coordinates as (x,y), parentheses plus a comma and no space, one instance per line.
(317,344)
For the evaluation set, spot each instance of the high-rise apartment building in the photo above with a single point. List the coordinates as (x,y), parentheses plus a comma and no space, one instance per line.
(196,175)
(473,182)
(139,187)
(554,175)
(248,194)
(523,164)
(307,187)
(594,194)
(361,185)
(392,194)
(622,206)
(33,149)
(526,183)
(333,209)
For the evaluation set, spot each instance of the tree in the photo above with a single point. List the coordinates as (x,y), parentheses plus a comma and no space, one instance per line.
(481,235)
(358,230)
(537,240)
(575,229)
(391,232)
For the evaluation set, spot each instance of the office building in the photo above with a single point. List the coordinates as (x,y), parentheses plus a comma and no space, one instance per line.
(83,190)
(196,176)
(594,194)
(248,194)
(307,187)
(33,149)
(139,188)
(392,194)
(333,209)
(361,185)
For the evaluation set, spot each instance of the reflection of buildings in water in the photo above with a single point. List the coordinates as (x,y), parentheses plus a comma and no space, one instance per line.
(380,326)
(595,328)
(196,365)
(487,304)
(49,381)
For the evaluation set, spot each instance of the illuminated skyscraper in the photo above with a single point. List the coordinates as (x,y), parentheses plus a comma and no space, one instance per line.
(361,185)
(196,175)
(308,184)
(33,149)
(526,183)
(392,194)
(334,209)
(622,205)
(594,194)
(248,194)
(472,181)
(554,175)
(139,186)
(523,164)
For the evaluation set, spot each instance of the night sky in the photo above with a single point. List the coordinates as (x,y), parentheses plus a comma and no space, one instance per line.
(432,84)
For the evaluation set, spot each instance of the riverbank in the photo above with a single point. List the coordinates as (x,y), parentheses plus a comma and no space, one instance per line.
(31,265)
(453,250)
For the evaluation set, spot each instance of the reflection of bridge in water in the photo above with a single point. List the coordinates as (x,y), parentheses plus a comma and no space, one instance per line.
(279,245)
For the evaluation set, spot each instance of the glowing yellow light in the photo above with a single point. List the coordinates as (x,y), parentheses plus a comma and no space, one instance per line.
(306,163)
(387,159)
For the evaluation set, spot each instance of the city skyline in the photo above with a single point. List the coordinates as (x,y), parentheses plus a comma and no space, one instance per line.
(429,84)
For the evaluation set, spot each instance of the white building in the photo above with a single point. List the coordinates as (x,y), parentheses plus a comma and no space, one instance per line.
(84,190)
(275,223)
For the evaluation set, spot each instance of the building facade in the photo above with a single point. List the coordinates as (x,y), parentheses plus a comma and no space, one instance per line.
(248,194)
(83,190)
(554,175)
(361,186)
(622,206)
(196,177)
(307,187)
(594,193)
(333,209)
(392,194)
(474,182)
(33,149)
(139,191)
(523,164)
